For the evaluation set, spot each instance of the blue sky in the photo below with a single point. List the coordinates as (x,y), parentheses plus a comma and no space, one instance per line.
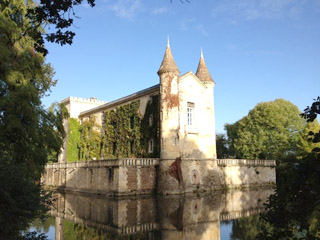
(256,50)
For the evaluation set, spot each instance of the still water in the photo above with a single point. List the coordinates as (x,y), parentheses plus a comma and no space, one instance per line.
(206,216)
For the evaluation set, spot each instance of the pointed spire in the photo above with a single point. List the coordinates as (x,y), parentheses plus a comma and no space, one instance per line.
(202,71)
(168,64)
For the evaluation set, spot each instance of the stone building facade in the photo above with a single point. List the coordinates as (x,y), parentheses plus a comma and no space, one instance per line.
(171,123)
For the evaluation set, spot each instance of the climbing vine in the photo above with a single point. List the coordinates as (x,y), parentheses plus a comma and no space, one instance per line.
(127,134)
(124,133)
(149,128)
(90,140)
(73,140)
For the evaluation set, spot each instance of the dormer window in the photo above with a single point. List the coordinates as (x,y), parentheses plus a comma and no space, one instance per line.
(190,113)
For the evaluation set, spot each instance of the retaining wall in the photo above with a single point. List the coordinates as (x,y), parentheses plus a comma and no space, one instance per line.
(110,177)
(144,176)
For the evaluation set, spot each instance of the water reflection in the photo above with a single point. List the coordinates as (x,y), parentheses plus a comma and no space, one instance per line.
(79,216)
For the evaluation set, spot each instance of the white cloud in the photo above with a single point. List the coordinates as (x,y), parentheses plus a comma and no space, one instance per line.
(236,11)
(127,8)
(160,10)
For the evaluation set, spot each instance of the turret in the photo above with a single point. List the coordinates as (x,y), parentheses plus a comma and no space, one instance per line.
(169,106)
(202,71)
(168,64)
(205,77)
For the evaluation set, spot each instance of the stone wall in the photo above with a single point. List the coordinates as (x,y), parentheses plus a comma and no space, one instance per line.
(190,175)
(110,177)
(143,175)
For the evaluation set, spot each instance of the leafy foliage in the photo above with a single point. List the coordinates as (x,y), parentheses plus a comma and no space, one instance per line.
(270,131)
(293,212)
(310,113)
(59,15)
(73,140)
(124,133)
(307,143)
(222,146)
(29,134)
(89,146)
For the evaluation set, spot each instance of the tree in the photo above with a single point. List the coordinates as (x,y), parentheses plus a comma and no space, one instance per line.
(310,113)
(29,134)
(270,131)
(222,146)
(59,15)
(305,144)
(293,212)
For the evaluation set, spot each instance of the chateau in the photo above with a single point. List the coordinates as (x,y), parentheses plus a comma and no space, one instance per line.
(158,139)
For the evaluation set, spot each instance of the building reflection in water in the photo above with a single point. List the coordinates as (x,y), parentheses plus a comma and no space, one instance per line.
(165,217)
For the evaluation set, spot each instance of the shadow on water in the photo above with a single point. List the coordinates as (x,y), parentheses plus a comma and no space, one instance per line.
(84,216)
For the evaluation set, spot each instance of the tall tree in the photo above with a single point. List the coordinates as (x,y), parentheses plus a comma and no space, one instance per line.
(28,132)
(270,131)
(293,212)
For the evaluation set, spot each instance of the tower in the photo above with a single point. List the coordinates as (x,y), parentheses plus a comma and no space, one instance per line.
(187,128)
(205,77)
(169,106)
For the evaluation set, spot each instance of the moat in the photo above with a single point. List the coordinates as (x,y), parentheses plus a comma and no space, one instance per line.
(196,216)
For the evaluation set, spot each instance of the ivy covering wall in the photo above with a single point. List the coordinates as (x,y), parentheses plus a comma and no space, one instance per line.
(124,133)
(90,140)
(73,140)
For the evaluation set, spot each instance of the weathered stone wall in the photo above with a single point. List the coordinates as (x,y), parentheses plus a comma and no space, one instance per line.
(110,177)
(196,140)
(140,176)
(190,175)
(247,173)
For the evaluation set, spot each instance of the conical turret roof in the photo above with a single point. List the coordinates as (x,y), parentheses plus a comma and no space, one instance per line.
(202,71)
(168,64)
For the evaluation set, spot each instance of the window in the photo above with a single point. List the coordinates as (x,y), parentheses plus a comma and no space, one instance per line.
(190,113)
(131,147)
(150,120)
(114,149)
(150,147)
(131,122)
(110,175)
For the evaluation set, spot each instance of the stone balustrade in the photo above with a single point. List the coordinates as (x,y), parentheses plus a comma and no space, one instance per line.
(106,163)
(245,162)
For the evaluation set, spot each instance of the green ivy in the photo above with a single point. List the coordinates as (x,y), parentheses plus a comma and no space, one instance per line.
(124,133)
(127,134)
(148,132)
(90,139)
(73,140)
